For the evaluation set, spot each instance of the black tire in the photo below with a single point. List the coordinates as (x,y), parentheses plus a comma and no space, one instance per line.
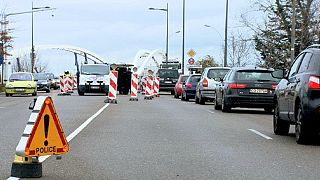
(176,95)
(268,110)
(303,131)
(202,100)
(34,93)
(48,90)
(80,93)
(280,126)
(225,107)
(7,94)
(182,97)
(186,97)
(216,104)
(172,92)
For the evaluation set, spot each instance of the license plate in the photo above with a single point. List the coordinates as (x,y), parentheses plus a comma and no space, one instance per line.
(259,91)
(19,90)
(168,82)
(94,87)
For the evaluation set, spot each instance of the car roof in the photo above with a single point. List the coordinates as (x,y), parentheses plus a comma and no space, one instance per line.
(218,68)
(252,68)
(22,73)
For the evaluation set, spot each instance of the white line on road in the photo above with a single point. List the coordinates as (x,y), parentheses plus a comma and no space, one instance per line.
(210,111)
(260,134)
(73,134)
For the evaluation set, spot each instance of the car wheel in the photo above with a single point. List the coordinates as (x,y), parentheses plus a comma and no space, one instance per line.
(176,95)
(7,94)
(216,104)
(48,90)
(280,126)
(34,93)
(225,107)
(80,93)
(182,97)
(201,100)
(172,92)
(268,109)
(303,135)
(186,97)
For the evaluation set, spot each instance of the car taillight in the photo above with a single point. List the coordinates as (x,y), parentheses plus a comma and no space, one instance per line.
(314,82)
(274,86)
(237,86)
(205,82)
(188,85)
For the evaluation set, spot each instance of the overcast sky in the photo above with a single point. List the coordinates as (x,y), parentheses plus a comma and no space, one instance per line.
(118,29)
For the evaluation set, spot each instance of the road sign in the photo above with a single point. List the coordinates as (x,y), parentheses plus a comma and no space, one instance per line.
(191,53)
(47,137)
(191,61)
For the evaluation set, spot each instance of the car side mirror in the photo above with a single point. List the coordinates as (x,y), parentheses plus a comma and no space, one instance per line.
(5,80)
(279,74)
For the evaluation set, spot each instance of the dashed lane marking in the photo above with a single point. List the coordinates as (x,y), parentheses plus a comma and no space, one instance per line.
(260,134)
(73,134)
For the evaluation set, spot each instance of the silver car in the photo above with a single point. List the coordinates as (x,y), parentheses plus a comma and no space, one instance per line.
(206,88)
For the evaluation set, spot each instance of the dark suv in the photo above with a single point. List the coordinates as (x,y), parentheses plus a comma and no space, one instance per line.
(168,79)
(297,97)
(249,87)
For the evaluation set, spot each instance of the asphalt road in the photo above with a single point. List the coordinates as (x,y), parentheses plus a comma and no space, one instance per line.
(163,138)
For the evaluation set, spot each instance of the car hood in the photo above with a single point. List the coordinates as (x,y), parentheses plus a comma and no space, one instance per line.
(21,83)
(42,81)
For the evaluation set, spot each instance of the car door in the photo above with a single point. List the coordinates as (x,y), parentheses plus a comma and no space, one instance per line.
(295,86)
(291,86)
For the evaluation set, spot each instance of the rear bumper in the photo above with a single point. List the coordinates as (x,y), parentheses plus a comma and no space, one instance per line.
(167,87)
(209,94)
(191,93)
(250,101)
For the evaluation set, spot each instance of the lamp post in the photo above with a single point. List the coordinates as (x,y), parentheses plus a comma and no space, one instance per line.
(4,23)
(183,31)
(167,38)
(33,58)
(226,36)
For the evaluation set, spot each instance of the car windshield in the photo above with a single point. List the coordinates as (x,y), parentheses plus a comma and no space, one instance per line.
(168,73)
(254,75)
(41,76)
(21,77)
(95,69)
(217,73)
(194,79)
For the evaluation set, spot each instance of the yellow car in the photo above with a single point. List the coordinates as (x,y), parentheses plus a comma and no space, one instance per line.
(21,83)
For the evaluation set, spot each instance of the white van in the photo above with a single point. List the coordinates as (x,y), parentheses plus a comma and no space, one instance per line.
(93,78)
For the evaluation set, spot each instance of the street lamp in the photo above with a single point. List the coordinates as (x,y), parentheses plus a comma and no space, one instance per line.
(4,23)
(32,36)
(167,38)
(226,36)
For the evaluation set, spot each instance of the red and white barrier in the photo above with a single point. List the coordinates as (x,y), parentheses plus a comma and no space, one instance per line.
(62,90)
(65,85)
(68,84)
(134,86)
(144,85)
(149,88)
(156,86)
(75,83)
(113,87)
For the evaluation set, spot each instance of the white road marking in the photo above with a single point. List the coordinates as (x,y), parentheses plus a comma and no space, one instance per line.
(73,134)
(210,111)
(260,134)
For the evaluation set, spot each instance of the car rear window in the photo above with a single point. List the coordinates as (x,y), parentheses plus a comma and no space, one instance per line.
(217,73)
(168,73)
(184,78)
(194,79)
(255,75)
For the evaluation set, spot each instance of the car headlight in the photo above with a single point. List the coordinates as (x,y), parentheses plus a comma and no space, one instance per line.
(10,86)
(29,86)
(44,83)
(161,79)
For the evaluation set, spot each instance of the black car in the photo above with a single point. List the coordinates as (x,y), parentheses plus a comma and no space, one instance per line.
(246,87)
(168,79)
(297,97)
(43,82)
(189,87)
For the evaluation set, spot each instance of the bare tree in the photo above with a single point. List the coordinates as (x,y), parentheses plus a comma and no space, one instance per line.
(23,64)
(239,51)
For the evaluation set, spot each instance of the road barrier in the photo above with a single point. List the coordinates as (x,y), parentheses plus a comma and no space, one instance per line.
(134,87)
(42,136)
(149,88)
(156,86)
(63,87)
(144,85)
(75,82)
(112,97)
(68,84)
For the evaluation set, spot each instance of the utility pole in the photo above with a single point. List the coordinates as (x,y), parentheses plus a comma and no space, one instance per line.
(226,36)
(293,30)
(183,31)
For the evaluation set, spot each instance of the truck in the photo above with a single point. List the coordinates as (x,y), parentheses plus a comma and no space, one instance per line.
(93,78)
